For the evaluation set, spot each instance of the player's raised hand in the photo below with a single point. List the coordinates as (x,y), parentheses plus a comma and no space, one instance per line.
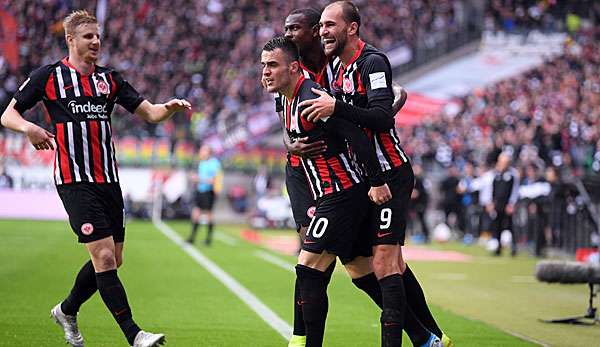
(177,105)
(380,195)
(306,149)
(40,138)
(318,108)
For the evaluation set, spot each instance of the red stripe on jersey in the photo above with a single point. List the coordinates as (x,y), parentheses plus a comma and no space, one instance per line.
(65,168)
(94,131)
(87,88)
(113,86)
(50,89)
(339,171)
(323,170)
(288,115)
(294,160)
(390,149)
(361,87)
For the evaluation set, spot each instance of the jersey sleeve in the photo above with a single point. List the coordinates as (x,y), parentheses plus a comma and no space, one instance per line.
(376,75)
(32,90)
(361,145)
(126,95)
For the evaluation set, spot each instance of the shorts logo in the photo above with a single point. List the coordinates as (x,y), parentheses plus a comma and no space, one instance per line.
(87,229)
(311,211)
(102,87)
(380,234)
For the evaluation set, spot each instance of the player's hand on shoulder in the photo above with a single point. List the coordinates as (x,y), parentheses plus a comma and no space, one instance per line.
(40,138)
(176,105)
(381,194)
(302,147)
(318,108)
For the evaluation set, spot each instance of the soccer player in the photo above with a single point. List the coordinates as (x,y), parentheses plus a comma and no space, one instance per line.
(80,96)
(301,27)
(333,179)
(364,96)
(209,173)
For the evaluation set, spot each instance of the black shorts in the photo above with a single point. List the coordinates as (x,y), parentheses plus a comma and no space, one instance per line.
(335,227)
(388,221)
(96,211)
(301,198)
(204,200)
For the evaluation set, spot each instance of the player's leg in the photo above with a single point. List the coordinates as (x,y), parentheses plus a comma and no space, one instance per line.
(195,222)
(312,283)
(102,253)
(303,208)
(416,300)
(363,277)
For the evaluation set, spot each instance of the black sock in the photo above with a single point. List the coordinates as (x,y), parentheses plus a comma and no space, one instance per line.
(370,285)
(209,233)
(194,232)
(313,291)
(299,328)
(414,329)
(298,319)
(114,297)
(83,289)
(417,302)
(394,306)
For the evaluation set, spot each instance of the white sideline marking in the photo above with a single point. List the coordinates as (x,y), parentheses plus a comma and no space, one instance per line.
(226,238)
(275,261)
(262,310)
(528,339)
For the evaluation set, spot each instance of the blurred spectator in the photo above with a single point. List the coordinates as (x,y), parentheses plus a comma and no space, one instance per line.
(451,199)
(504,197)
(6,182)
(419,200)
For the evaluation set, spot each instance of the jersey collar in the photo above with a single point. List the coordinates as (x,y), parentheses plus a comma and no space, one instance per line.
(66,62)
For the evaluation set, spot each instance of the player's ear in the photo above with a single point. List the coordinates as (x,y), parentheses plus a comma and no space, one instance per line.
(294,66)
(352,28)
(315,30)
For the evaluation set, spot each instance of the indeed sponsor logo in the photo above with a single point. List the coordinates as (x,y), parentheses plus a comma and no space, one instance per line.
(86,108)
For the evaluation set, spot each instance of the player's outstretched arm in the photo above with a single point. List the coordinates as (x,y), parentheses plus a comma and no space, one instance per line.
(40,138)
(156,113)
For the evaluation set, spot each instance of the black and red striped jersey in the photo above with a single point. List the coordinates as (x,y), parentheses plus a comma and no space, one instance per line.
(332,171)
(366,83)
(80,108)
(324,78)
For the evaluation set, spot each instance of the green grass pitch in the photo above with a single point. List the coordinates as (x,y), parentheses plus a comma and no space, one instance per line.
(484,302)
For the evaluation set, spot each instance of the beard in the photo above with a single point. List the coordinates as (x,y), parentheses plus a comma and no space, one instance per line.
(339,46)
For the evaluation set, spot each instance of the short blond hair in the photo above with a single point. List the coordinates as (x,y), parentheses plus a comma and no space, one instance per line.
(77,18)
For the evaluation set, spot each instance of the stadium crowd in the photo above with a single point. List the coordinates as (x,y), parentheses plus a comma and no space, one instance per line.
(546,119)
(205,51)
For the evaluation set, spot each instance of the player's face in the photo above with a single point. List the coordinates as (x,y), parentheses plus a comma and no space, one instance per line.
(86,42)
(276,70)
(299,31)
(333,30)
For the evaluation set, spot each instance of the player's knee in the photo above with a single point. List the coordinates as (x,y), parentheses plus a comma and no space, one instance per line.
(385,262)
(359,267)
(105,259)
